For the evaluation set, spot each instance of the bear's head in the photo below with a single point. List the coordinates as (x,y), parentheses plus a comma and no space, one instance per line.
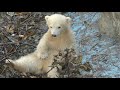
(57,24)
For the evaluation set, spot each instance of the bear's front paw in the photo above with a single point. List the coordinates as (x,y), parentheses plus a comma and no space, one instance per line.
(43,56)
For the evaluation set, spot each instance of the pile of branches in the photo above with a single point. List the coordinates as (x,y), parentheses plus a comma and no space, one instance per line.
(69,64)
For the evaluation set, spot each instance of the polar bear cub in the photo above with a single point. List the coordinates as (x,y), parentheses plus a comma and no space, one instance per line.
(58,37)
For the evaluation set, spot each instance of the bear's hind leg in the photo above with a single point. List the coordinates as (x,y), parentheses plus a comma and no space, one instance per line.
(9,61)
(16,65)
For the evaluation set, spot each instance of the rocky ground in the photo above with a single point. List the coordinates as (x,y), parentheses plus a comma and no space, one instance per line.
(20,33)
(96,48)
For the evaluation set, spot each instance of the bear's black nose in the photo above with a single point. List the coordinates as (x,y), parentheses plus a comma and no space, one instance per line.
(53,35)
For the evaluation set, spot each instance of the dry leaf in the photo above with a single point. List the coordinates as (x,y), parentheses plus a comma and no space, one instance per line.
(28,34)
(10,28)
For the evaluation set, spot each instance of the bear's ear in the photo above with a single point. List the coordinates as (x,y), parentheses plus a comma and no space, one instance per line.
(46,18)
(69,20)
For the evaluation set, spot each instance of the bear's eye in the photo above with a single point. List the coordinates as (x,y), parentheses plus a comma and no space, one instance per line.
(50,26)
(59,27)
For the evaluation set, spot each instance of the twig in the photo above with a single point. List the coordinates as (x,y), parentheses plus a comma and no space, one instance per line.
(8,43)
(3,70)
(3,59)
(93,46)
(68,68)
(29,17)
(29,44)
(50,69)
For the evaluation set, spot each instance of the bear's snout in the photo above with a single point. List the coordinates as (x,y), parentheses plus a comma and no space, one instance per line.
(53,35)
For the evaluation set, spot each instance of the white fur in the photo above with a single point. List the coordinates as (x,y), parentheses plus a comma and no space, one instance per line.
(40,60)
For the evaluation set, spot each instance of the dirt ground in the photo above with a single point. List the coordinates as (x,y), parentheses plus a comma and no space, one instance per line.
(21,31)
